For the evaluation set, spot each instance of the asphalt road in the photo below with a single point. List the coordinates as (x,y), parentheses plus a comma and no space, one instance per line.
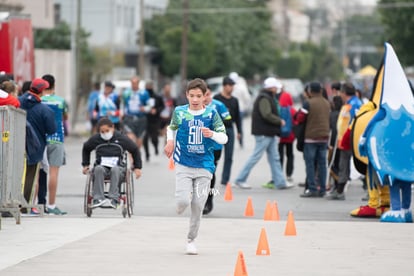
(154,191)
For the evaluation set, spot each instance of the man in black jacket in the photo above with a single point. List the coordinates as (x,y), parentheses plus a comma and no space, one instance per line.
(232,105)
(153,120)
(41,119)
(108,161)
(266,125)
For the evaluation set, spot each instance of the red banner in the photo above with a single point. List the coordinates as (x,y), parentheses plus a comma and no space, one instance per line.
(17,49)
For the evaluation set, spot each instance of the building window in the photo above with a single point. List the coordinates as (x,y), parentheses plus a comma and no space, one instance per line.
(131,17)
(125,15)
(118,15)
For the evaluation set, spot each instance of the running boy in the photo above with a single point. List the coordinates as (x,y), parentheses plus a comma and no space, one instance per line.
(195,129)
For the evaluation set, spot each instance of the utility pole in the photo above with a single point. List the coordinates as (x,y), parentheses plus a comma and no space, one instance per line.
(77,73)
(286,27)
(141,59)
(344,41)
(184,43)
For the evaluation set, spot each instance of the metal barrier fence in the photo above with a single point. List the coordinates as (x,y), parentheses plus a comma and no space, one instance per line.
(12,153)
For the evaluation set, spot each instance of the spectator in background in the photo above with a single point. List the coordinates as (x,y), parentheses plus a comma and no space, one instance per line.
(92,99)
(266,125)
(225,116)
(232,105)
(361,96)
(137,105)
(241,93)
(315,111)
(8,93)
(287,113)
(25,87)
(42,121)
(153,119)
(166,113)
(351,105)
(108,105)
(55,147)
(336,89)
(333,153)
(286,142)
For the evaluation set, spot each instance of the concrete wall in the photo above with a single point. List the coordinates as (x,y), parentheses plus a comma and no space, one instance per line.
(40,11)
(59,64)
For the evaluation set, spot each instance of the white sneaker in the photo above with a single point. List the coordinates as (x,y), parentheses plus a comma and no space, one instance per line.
(289,179)
(191,248)
(106,203)
(243,185)
(288,185)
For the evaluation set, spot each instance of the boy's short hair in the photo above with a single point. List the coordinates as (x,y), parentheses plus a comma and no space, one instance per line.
(104,122)
(197,83)
(50,79)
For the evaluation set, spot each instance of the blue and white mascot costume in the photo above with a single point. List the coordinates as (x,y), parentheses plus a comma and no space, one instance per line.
(388,140)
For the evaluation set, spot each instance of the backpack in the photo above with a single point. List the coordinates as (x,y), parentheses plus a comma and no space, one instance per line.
(299,130)
(286,115)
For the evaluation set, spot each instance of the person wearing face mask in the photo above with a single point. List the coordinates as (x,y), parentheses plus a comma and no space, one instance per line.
(106,164)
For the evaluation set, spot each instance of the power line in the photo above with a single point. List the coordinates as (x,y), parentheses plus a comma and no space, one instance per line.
(219,10)
(396,5)
(236,10)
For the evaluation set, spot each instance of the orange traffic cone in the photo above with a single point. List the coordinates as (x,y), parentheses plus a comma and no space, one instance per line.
(263,245)
(228,194)
(248,212)
(268,211)
(275,212)
(171,165)
(290,229)
(240,269)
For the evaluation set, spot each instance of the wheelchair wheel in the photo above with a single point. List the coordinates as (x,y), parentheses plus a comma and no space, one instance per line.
(129,194)
(88,197)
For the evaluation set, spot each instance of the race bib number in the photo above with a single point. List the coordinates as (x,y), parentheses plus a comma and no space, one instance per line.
(109,161)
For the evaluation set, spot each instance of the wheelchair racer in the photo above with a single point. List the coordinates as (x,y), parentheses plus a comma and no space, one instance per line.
(108,162)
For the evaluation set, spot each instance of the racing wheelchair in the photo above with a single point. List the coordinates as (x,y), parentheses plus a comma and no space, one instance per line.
(111,154)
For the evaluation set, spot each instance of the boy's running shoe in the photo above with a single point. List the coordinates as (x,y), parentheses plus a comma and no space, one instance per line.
(55,211)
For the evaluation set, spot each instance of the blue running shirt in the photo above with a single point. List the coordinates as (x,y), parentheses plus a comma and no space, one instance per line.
(224,115)
(58,105)
(192,149)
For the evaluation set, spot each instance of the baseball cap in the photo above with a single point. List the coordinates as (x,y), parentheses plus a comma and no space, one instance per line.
(234,76)
(38,85)
(228,81)
(271,82)
(315,87)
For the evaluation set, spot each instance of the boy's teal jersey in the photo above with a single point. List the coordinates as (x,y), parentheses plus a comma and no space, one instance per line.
(192,149)
(59,107)
(224,115)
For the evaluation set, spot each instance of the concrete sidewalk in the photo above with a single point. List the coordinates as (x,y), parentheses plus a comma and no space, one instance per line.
(155,246)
